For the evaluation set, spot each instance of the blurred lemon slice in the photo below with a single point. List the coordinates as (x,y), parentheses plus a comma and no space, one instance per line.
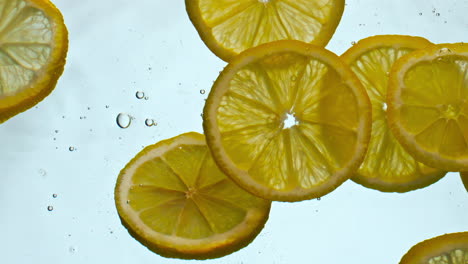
(33,47)
(387,166)
(428,105)
(288,121)
(449,248)
(174,200)
(229,27)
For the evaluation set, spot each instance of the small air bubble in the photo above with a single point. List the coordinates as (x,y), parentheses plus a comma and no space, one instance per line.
(71,250)
(437,14)
(202,91)
(318,199)
(123,120)
(140,95)
(150,122)
(353,43)
(54,195)
(50,208)
(107,106)
(420,14)
(71,148)
(146,97)
(56,131)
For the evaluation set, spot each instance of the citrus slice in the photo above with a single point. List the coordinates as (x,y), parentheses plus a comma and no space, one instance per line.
(174,200)
(229,27)
(449,248)
(428,105)
(287,121)
(387,166)
(464,178)
(34,43)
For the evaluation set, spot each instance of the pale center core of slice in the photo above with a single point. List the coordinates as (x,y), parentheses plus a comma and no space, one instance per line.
(451,111)
(384,106)
(289,121)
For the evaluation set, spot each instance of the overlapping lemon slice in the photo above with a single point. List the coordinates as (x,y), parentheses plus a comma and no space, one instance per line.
(173,199)
(288,121)
(33,47)
(229,27)
(428,105)
(387,167)
(449,248)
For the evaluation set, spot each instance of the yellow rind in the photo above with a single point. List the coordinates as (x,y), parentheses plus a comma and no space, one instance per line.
(425,250)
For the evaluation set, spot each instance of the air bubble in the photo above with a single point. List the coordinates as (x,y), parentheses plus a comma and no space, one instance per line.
(71,148)
(50,208)
(150,122)
(140,95)
(54,195)
(202,91)
(437,14)
(420,14)
(123,120)
(353,43)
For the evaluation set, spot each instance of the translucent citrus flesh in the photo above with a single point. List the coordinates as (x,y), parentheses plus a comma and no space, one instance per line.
(231,27)
(33,45)
(291,125)
(387,166)
(449,248)
(180,205)
(430,105)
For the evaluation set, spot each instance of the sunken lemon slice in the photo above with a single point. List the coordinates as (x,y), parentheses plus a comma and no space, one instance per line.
(229,27)
(387,167)
(428,105)
(288,121)
(174,200)
(34,43)
(449,248)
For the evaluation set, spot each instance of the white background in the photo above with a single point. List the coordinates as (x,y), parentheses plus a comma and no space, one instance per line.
(119,47)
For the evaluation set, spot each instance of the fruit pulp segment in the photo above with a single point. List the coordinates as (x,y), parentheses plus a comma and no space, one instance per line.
(241,24)
(262,95)
(455,256)
(183,193)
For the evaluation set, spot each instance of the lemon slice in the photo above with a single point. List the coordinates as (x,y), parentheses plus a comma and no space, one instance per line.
(229,27)
(428,105)
(449,248)
(34,43)
(287,121)
(464,178)
(387,166)
(174,200)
